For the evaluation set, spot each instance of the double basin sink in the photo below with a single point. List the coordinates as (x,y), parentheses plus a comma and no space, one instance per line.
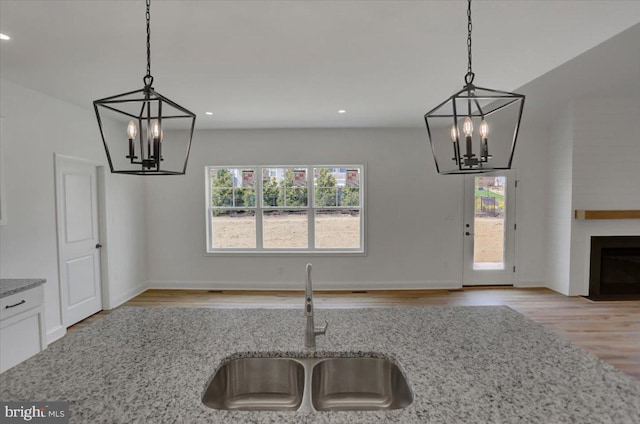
(308,384)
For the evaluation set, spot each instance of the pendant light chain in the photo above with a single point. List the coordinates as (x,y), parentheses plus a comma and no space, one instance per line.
(468,78)
(451,125)
(148,79)
(145,113)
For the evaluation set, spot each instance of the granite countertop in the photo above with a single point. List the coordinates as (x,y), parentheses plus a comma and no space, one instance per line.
(482,364)
(11,286)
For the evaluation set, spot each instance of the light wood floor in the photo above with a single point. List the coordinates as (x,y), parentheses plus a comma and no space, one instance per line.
(609,330)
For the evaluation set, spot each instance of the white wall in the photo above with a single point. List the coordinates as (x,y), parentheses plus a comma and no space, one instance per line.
(414,234)
(36,126)
(591,105)
(558,203)
(411,239)
(593,165)
(530,164)
(125,238)
(606,174)
(414,216)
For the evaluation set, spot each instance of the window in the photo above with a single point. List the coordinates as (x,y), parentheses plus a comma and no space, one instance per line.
(285,218)
(232,197)
(285,209)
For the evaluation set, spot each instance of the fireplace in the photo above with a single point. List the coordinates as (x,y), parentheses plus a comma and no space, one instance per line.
(615,268)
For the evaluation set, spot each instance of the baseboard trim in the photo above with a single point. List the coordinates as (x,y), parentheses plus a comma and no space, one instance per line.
(529,284)
(319,285)
(127,296)
(55,334)
(556,290)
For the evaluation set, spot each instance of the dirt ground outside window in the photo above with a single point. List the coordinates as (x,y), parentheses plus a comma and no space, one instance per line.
(488,240)
(338,231)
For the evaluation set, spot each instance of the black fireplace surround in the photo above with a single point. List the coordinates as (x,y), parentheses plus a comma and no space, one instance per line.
(615,268)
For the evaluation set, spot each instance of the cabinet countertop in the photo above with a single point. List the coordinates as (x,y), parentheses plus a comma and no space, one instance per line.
(465,365)
(9,286)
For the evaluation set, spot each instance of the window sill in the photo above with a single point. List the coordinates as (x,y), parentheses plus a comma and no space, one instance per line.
(341,253)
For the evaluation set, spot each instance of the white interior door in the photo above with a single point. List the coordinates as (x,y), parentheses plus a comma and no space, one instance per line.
(78,239)
(489,225)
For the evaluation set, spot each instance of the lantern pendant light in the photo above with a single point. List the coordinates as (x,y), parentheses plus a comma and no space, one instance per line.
(488,120)
(143,132)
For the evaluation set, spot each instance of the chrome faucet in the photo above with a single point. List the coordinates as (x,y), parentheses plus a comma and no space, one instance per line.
(311,331)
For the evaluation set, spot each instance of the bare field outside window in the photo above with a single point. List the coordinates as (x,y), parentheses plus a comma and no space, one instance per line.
(337,230)
(282,230)
(333,230)
(234,231)
(488,240)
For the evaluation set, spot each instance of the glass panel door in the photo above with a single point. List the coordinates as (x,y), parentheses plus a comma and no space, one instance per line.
(489,229)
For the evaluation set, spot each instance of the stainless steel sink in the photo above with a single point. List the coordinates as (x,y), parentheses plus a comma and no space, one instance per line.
(259,384)
(308,384)
(358,384)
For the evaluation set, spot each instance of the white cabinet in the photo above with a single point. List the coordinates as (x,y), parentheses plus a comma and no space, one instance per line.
(22,332)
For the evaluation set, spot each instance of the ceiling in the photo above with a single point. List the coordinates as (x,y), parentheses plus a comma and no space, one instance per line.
(286,64)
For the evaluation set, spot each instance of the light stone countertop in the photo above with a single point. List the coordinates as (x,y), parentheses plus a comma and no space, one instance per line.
(9,286)
(483,364)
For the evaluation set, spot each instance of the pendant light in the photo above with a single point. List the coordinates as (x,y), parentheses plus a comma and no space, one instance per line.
(479,124)
(145,133)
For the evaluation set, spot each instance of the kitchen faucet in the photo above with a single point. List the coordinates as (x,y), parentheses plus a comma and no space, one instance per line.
(311,330)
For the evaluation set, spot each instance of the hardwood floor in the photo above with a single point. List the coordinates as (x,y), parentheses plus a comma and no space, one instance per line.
(609,330)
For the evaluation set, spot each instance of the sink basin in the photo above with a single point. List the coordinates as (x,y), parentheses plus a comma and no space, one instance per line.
(308,384)
(258,384)
(358,384)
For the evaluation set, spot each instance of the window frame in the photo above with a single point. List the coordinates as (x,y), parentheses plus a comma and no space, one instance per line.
(311,208)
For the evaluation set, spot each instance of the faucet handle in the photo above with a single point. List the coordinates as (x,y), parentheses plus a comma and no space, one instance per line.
(321,330)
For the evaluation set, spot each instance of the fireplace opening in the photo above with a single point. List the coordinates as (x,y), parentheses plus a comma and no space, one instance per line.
(615,268)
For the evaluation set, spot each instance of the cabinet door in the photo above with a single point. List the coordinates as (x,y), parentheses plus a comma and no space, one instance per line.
(19,340)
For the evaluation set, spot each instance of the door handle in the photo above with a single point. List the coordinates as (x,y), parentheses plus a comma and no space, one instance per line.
(468,233)
(98,245)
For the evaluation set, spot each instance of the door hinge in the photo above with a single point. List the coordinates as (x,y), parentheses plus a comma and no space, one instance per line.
(515,226)
(514,268)
(516,183)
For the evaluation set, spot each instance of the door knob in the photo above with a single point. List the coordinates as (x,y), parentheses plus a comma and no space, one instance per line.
(98,245)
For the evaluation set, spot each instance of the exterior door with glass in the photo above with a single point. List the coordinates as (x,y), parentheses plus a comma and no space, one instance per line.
(489,226)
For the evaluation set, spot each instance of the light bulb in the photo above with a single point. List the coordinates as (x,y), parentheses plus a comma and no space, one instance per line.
(155,129)
(484,129)
(467,127)
(132,130)
(454,133)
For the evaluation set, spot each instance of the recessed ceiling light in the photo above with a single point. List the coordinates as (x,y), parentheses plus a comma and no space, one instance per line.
(208,113)
(4,37)
(342,111)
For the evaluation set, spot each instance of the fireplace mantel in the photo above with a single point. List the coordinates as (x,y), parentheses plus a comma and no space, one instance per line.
(606,214)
